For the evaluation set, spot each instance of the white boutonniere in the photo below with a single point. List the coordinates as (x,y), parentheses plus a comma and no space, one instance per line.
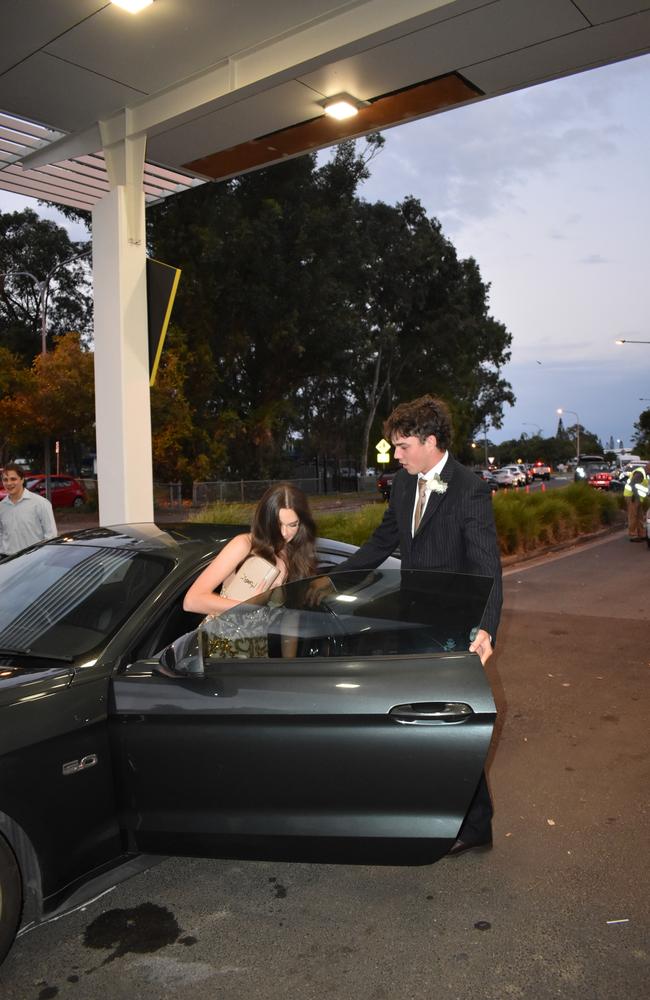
(436,484)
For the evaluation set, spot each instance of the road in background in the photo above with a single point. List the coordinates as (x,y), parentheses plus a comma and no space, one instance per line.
(559,908)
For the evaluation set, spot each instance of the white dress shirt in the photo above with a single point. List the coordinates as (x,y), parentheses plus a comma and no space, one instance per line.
(25,522)
(427,476)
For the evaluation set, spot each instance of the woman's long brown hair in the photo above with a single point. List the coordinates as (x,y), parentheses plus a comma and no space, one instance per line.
(267,540)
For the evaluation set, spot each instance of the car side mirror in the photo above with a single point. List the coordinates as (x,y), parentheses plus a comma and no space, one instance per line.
(184,657)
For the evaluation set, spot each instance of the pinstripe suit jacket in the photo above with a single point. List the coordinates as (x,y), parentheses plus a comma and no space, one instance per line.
(457,533)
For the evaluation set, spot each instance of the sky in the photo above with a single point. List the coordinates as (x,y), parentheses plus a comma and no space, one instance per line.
(548,189)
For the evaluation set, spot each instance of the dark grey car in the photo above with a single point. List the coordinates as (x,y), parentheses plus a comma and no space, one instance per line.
(352,712)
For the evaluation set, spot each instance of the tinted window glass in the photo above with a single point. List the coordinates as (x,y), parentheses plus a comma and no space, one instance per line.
(375,613)
(67,600)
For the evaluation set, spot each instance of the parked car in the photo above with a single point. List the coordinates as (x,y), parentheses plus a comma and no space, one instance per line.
(510,475)
(384,484)
(541,470)
(66,491)
(124,733)
(489,478)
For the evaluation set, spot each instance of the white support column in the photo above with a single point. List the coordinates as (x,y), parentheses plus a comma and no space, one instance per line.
(124,470)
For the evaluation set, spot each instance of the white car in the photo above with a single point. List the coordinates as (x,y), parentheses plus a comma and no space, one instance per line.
(510,475)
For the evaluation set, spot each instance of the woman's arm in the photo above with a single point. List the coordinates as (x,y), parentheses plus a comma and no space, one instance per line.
(201,596)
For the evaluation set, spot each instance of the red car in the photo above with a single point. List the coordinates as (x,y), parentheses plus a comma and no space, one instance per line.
(65,491)
(601,480)
(384,484)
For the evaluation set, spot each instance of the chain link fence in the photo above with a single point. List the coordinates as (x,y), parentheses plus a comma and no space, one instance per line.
(172,496)
(250,490)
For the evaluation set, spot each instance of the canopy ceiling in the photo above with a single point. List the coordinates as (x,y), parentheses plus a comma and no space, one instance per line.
(223,86)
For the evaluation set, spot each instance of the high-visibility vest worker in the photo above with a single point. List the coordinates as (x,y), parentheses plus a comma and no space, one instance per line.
(637,486)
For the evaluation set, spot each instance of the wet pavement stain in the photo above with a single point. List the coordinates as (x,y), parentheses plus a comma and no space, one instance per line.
(48,993)
(141,930)
(482,925)
(188,940)
(280,890)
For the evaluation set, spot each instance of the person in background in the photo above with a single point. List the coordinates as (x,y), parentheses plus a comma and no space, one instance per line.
(636,495)
(25,517)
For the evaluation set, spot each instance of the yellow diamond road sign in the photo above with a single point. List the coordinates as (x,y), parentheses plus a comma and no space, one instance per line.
(383,451)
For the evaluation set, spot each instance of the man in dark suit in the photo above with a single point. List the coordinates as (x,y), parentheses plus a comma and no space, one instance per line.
(440,514)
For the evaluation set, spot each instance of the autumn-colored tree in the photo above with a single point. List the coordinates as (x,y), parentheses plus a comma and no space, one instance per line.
(54,398)
(181,450)
(15,380)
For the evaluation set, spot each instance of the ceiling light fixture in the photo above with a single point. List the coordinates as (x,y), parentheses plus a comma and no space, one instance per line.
(133,6)
(342,106)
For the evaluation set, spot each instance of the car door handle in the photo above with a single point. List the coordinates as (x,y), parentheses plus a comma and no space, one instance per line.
(431,713)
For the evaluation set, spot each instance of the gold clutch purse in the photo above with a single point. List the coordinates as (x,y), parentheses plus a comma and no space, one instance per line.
(248,578)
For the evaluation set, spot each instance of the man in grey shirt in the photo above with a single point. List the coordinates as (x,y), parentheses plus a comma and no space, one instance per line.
(25,518)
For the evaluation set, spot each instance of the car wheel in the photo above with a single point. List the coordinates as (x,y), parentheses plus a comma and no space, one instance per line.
(78,502)
(10,897)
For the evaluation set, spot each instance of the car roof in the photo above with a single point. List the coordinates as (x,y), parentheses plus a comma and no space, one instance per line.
(168,539)
(181,541)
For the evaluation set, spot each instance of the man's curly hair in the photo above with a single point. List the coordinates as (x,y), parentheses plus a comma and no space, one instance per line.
(420,418)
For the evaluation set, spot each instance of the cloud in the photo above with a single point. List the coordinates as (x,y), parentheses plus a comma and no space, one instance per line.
(472,163)
(594,258)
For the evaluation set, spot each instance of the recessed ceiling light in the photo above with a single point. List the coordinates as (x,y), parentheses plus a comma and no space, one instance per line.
(133,6)
(342,106)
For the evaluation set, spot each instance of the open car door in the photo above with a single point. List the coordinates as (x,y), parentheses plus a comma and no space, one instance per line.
(346,706)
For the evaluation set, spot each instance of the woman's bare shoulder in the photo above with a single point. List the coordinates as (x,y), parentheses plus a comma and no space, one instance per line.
(240,543)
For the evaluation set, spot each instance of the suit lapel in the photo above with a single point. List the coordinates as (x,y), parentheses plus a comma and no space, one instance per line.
(406,512)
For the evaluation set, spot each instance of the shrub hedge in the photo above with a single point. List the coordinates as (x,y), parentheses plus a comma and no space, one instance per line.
(524,521)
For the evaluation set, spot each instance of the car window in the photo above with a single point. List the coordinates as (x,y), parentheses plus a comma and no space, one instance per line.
(66,600)
(350,613)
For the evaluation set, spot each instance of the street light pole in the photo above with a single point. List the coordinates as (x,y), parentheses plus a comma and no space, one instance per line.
(632,341)
(43,290)
(527,423)
(573,413)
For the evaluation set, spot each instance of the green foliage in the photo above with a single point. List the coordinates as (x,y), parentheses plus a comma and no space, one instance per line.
(35,250)
(554,450)
(225,513)
(350,526)
(642,434)
(353,526)
(526,521)
(309,312)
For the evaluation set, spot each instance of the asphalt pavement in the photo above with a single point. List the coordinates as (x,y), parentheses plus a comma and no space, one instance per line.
(558,909)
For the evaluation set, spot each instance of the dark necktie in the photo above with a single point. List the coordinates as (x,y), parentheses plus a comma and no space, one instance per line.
(422,499)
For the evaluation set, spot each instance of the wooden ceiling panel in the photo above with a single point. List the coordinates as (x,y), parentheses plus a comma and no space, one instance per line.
(391,109)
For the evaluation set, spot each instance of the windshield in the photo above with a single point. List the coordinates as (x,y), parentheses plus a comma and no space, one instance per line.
(349,613)
(62,601)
